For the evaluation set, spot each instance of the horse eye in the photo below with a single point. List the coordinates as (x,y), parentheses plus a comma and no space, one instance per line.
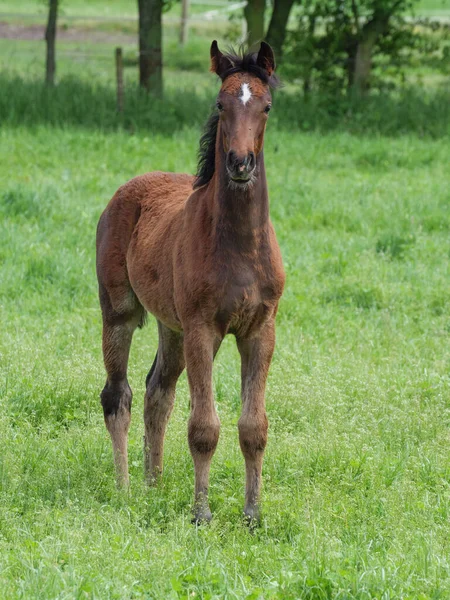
(219,106)
(267,109)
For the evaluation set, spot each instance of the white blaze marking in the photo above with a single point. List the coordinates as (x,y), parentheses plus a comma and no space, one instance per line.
(246,93)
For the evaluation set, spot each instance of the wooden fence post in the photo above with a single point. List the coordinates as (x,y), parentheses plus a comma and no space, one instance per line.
(119,78)
(50,37)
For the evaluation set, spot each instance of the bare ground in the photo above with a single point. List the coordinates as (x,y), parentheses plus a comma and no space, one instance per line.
(15,31)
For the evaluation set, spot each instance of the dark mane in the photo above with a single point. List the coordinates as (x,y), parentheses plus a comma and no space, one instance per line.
(245,63)
(207,151)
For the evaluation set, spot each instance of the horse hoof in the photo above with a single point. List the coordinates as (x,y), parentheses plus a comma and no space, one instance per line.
(251,517)
(153,479)
(201,517)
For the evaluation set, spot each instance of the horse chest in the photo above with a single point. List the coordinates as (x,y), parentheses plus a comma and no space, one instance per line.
(244,306)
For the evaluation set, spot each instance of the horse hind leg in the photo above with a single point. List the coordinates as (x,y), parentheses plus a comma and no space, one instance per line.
(116,397)
(160,397)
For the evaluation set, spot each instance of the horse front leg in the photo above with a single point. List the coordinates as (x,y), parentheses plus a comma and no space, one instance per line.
(160,397)
(256,355)
(203,430)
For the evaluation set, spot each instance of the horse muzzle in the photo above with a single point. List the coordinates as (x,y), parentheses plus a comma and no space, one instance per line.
(240,168)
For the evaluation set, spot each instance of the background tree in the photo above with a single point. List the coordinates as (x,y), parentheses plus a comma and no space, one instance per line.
(150,45)
(254,12)
(363,23)
(335,43)
(50,38)
(276,33)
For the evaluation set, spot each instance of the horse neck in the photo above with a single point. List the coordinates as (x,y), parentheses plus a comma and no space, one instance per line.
(240,215)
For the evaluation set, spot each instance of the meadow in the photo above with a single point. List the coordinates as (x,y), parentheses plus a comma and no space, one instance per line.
(356,494)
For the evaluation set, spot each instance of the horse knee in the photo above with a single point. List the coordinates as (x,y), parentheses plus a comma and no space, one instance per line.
(115,398)
(253,434)
(203,435)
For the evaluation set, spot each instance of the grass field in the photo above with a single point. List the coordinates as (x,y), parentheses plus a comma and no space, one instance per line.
(356,497)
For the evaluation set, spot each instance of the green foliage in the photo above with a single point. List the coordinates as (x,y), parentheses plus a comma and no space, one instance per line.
(321,50)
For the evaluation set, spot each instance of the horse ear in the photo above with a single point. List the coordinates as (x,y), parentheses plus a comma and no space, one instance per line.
(216,55)
(219,62)
(266,58)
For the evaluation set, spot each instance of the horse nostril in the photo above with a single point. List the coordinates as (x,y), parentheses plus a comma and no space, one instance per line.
(240,164)
(231,159)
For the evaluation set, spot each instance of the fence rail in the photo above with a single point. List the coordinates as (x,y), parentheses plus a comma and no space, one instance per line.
(209,15)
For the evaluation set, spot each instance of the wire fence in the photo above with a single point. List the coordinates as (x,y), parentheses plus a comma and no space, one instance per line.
(31,27)
(222,10)
(35,31)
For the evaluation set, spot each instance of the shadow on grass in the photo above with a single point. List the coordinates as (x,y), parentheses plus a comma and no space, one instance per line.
(90,105)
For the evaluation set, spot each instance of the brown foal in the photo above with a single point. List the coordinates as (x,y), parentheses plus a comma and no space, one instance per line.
(200,254)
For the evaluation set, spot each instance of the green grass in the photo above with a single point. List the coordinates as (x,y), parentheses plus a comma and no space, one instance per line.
(356,497)
(356,493)
(430,8)
(85,97)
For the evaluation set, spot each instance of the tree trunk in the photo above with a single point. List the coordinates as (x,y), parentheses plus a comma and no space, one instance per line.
(150,45)
(184,22)
(363,56)
(276,33)
(363,64)
(50,37)
(254,15)
(351,49)
(307,73)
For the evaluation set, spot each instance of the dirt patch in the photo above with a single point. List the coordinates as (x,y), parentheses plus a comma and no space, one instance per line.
(11,31)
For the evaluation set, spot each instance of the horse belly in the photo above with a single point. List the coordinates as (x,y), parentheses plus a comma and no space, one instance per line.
(151,276)
(158,300)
